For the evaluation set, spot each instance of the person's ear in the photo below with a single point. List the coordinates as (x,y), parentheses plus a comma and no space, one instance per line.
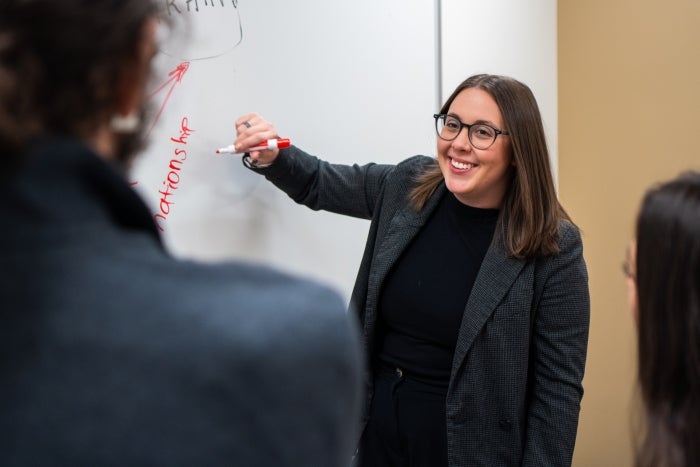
(130,91)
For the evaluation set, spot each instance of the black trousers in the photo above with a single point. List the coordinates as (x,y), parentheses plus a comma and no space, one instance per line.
(407,423)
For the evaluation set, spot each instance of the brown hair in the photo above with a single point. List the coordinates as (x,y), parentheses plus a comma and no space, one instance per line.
(530,215)
(668,288)
(61,63)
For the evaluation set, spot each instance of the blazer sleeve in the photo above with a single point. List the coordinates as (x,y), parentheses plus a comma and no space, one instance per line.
(558,353)
(351,190)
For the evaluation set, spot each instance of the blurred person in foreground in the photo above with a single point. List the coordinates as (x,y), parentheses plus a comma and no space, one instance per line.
(114,352)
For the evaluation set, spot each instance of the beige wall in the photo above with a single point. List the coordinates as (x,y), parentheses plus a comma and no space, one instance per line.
(629,116)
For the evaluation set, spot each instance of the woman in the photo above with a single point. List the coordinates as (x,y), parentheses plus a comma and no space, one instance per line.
(472,292)
(663,270)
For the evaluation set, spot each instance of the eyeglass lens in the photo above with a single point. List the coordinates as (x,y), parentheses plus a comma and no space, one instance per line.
(480,136)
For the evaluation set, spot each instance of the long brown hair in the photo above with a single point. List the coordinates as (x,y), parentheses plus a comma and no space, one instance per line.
(61,62)
(531,213)
(668,288)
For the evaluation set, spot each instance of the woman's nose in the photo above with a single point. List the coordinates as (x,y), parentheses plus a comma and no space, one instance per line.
(461,142)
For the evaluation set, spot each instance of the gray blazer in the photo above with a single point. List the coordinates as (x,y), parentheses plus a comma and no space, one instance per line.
(515,388)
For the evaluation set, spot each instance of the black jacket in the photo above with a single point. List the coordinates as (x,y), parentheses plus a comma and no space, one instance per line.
(115,353)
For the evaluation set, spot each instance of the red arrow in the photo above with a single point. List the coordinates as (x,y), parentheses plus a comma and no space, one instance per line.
(176,76)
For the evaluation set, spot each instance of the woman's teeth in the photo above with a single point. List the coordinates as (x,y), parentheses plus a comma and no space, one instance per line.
(461,165)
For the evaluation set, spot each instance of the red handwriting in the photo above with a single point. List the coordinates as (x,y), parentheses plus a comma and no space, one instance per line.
(172,179)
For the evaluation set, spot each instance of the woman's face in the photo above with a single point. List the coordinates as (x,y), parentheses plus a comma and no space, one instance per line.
(477,177)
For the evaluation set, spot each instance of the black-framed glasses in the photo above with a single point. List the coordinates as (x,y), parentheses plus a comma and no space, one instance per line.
(481,135)
(627,268)
(628,271)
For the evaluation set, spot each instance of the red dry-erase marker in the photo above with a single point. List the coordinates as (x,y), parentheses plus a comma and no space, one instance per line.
(277,143)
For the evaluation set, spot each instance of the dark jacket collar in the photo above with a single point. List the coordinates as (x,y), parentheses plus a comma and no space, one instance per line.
(61,181)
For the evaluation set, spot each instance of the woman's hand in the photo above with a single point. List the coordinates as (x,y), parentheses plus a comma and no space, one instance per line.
(251,130)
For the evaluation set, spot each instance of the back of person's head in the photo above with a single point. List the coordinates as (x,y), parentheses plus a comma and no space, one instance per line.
(668,301)
(62,63)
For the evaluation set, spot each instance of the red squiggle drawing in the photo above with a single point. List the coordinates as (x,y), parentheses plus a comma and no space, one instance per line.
(175,78)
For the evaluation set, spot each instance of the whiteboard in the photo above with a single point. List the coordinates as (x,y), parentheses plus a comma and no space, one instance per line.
(346,81)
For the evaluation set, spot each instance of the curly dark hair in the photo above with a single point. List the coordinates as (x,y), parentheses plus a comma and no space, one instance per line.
(61,62)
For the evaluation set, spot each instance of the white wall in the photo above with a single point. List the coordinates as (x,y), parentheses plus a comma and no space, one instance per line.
(506,37)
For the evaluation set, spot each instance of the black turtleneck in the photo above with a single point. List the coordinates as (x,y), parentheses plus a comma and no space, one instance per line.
(424,295)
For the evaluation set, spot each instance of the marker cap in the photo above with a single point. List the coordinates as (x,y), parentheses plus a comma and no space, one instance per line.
(283,143)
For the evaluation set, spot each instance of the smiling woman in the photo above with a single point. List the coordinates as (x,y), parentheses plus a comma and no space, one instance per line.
(472,292)
(477,174)
(525,188)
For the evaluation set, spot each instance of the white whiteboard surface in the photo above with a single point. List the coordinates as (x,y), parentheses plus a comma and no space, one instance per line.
(346,81)
(505,37)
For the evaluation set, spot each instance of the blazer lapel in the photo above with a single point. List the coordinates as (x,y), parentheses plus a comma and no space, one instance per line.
(496,276)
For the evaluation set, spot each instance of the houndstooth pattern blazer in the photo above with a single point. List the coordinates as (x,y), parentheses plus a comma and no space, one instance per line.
(516,384)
